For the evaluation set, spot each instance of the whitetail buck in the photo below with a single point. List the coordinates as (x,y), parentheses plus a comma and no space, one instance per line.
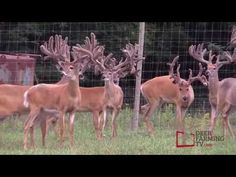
(169,89)
(112,94)
(221,93)
(61,97)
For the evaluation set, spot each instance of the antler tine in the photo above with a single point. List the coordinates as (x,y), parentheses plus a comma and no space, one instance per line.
(172,64)
(60,47)
(200,70)
(211,56)
(199,75)
(171,71)
(93,40)
(109,61)
(190,74)
(56,49)
(92,51)
(233,37)
(226,56)
(81,60)
(127,53)
(229,57)
(198,53)
(178,74)
(128,65)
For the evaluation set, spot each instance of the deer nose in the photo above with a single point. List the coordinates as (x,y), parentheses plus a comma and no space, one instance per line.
(185,98)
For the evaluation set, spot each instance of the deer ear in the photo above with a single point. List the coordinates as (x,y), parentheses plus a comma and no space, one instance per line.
(64,73)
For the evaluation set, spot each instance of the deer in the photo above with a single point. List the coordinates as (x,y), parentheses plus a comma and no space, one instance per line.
(170,89)
(112,72)
(221,93)
(63,97)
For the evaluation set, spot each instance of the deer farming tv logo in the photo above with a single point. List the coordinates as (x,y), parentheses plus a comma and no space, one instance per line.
(199,138)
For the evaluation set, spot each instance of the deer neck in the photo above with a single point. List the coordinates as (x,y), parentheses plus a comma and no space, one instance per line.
(73,85)
(109,87)
(63,80)
(213,85)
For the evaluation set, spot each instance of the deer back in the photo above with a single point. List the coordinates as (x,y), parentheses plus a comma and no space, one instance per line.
(229,96)
(92,99)
(11,99)
(162,87)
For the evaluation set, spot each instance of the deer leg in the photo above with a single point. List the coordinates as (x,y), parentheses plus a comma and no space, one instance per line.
(114,125)
(55,128)
(183,112)
(225,117)
(224,122)
(28,124)
(230,128)
(97,126)
(178,118)
(104,121)
(213,119)
(43,126)
(180,113)
(148,115)
(62,127)
(144,109)
(72,117)
(32,137)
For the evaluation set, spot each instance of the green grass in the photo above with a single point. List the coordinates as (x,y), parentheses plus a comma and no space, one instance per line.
(127,142)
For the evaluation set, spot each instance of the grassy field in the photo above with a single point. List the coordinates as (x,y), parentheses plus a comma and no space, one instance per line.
(127,142)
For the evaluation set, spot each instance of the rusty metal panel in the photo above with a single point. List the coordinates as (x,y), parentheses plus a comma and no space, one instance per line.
(17,69)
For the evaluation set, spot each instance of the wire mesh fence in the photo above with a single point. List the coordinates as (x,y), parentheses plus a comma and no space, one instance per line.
(163,41)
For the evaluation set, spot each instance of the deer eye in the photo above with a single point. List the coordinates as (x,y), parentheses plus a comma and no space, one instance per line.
(71,67)
(187,89)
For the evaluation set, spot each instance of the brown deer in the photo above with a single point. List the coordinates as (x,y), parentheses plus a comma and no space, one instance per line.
(221,93)
(169,89)
(61,97)
(113,94)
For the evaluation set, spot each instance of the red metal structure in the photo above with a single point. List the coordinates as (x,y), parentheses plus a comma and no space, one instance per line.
(17,69)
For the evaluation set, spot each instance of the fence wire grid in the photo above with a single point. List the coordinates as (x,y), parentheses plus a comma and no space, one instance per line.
(163,41)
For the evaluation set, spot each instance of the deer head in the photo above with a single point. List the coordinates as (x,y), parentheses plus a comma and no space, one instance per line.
(107,65)
(126,66)
(198,53)
(58,50)
(184,85)
(233,37)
